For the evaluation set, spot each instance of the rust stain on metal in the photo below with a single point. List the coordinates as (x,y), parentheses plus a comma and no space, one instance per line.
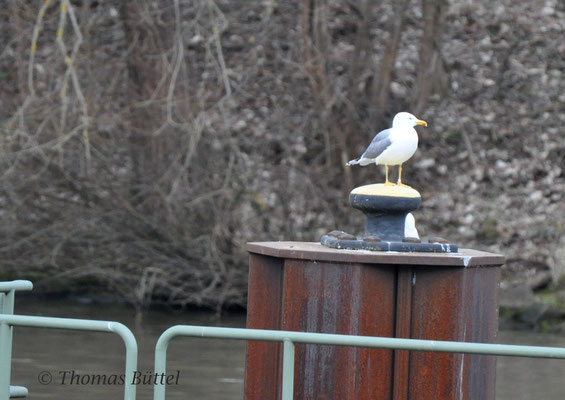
(327,297)
(304,287)
(456,305)
(263,360)
(405,279)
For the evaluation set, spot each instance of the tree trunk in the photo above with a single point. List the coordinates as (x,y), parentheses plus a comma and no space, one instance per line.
(431,72)
(147,40)
(381,86)
(314,34)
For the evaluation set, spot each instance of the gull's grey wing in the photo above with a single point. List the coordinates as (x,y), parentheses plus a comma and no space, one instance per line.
(379,143)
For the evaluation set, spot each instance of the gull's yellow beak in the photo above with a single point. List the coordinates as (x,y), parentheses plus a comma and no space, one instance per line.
(421,122)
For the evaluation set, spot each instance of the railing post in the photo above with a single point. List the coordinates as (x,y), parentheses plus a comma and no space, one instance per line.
(161,360)
(288,371)
(7,296)
(86,325)
(6,307)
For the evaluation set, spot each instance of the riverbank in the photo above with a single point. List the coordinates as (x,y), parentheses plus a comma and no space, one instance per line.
(525,309)
(520,307)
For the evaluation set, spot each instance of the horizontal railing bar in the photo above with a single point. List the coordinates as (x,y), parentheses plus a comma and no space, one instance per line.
(364,341)
(87,325)
(15,285)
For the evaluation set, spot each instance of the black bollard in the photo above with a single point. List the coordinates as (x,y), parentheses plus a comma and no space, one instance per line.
(386,208)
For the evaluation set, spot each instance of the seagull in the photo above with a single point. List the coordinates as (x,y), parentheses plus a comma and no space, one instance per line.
(393,146)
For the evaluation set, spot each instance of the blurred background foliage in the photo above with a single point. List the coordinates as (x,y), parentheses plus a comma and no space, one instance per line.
(143,143)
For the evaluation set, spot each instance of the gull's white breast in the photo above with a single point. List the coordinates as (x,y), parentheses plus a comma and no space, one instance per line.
(404,142)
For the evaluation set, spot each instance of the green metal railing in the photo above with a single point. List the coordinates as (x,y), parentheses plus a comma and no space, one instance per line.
(7,295)
(288,338)
(8,321)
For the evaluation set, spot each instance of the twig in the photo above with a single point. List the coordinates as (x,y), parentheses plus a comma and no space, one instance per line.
(35,36)
(66,8)
(219,52)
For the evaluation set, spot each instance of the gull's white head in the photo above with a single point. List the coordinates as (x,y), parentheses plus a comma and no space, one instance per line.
(406,119)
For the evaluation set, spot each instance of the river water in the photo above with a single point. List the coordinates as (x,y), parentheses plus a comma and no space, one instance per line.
(207,369)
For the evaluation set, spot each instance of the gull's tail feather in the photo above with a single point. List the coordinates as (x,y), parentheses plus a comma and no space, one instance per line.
(353,162)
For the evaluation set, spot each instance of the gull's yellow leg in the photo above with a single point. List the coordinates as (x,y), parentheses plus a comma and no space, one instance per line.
(400,177)
(387,182)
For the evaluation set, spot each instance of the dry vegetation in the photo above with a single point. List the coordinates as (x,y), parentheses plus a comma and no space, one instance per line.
(143,143)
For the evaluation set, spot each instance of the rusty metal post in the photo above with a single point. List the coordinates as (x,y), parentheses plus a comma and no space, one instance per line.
(308,287)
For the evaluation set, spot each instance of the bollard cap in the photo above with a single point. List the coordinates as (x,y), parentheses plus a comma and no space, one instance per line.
(380,198)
